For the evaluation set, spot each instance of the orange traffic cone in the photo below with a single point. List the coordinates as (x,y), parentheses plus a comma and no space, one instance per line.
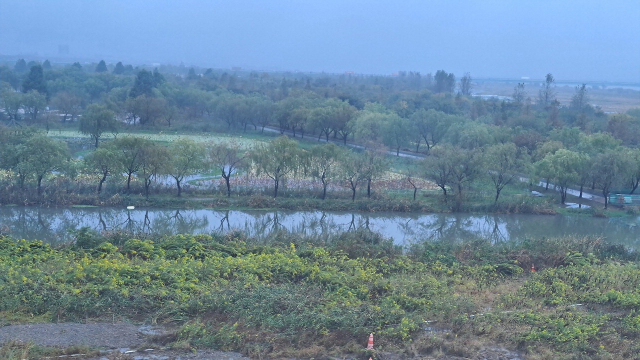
(370,343)
(533,268)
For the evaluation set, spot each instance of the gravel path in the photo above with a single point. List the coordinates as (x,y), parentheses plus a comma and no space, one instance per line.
(121,341)
(62,335)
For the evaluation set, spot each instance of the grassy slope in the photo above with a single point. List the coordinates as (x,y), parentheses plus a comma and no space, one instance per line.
(306,298)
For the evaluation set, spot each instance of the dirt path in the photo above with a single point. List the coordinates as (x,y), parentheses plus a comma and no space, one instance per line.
(120,341)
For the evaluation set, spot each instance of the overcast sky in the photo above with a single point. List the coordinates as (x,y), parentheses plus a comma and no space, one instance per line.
(572,39)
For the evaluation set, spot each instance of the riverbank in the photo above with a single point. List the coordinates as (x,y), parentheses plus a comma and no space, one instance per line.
(303,297)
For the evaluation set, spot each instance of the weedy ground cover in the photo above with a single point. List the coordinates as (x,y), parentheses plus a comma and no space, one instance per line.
(310,297)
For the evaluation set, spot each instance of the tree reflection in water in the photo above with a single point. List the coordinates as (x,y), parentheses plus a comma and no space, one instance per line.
(54,225)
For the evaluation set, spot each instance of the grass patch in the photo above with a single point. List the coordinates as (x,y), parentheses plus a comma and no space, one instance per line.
(313,296)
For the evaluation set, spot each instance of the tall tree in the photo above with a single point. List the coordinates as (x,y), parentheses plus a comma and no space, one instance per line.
(504,163)
(466,85)
(396,132)
(468,167)
(323,164)
(547,94)
(42,155)
(445,82)
(153,162)
(101,67)
(97,120)
(519,94)
(119,69)
(375,163)
(431,126)
(33,104)
(67,104)
(130,155)
(278,160)
(187,158)
(565,166)
(226,157)
(143,84)
(35,81)
(104,162)
(610,169)
(353,168)
(20,66)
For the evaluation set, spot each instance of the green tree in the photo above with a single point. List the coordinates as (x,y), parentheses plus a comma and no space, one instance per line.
(375,163)
(46,65)
(431,126)
(130,155)
(504,163)
(143,85)
(468,166)
(466,85)
(278,160)
(445,82)
(353,169)
(323,164)
(119,69)
(104,161)
(20,66)
(547,94)
(564,168)
(610,168)
(35,81)
(33,104)
(41,155)
(226,157)
(437,168)
(153,162)
(67,104)
(145,110)
(96,121)
(187,158)
(101,67)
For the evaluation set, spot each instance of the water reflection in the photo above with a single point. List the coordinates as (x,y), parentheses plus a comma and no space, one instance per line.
(55,224)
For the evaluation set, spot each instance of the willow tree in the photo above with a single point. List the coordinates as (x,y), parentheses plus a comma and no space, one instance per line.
(227,158)
(278,160)
(187,157)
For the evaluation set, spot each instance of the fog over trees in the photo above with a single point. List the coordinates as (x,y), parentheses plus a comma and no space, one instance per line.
(572,39)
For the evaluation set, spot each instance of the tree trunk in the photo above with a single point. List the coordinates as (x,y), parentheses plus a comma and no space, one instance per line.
(369,188)
(104,178)
(275,190)
(179,188)
(128,182)
(227,182)
(324,187)
(40,184)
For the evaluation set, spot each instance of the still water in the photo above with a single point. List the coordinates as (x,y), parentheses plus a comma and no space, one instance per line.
(54,225)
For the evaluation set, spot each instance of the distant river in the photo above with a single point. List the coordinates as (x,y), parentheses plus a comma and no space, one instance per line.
(54,225)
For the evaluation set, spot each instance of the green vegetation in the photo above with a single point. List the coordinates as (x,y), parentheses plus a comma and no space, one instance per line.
(183,123)
(310,297)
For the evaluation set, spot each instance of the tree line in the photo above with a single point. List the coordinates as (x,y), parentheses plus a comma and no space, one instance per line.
(574,144)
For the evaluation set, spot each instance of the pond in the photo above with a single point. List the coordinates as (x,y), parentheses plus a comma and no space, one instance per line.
(54,225)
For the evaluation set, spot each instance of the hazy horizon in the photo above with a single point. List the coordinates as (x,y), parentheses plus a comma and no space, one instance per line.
(574,40)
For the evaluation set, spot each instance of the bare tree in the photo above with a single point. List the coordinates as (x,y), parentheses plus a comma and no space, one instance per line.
(465,84)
